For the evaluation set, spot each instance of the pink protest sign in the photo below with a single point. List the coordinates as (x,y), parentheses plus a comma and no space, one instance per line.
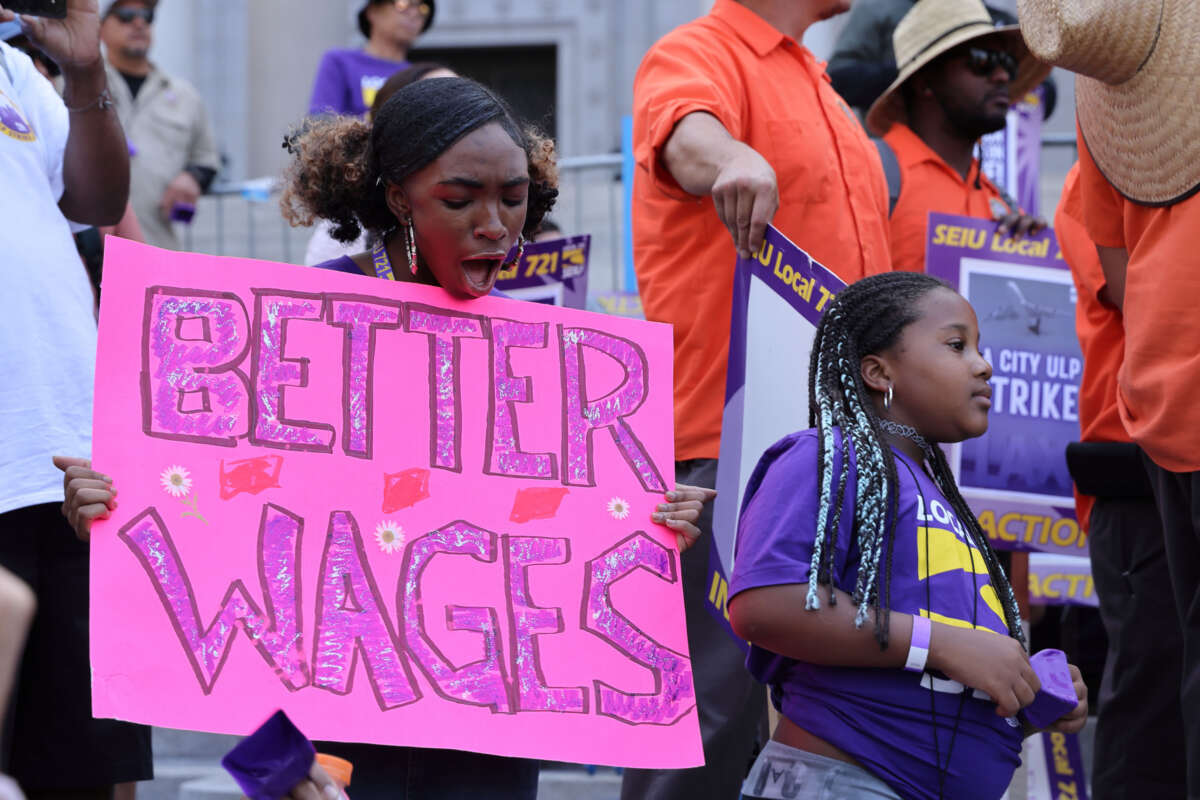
(402,518)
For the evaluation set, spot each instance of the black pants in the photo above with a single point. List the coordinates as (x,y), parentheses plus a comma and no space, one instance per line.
(1139,750)
(1177,496)
(731,704)
(418,773)
(53,741)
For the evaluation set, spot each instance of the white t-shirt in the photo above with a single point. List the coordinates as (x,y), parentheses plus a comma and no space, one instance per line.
(47,327)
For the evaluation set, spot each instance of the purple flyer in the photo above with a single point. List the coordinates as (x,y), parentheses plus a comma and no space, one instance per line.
(779,295)
(1015,476)
(553,272)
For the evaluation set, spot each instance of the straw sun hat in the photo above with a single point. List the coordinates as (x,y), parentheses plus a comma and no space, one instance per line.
(934,27)
(1138,84)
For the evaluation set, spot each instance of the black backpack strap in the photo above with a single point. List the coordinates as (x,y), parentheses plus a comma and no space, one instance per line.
(891,171)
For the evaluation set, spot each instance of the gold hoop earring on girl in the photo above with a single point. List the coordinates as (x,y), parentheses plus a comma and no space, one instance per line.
(410,245)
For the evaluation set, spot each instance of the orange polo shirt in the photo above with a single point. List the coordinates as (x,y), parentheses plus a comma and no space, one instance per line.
(1160,375)
(928,183)
(773,94)
(1100,331)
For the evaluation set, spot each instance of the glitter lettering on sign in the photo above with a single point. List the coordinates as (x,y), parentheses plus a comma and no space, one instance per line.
(192,342)
(673,695)
(584,416)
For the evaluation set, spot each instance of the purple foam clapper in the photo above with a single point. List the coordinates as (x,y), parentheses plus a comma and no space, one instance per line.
(1057,695)
(270,761)
(183,212)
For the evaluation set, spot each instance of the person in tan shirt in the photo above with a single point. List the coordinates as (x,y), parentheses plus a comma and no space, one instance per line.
(174,155)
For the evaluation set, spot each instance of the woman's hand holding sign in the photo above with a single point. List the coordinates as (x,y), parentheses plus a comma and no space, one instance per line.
(88,495)
(682,511)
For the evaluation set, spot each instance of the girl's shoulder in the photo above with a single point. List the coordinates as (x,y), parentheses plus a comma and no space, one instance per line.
(794,460)
(804,445)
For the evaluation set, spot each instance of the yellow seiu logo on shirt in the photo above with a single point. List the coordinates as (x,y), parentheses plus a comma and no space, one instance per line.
(942,548)
(371,84)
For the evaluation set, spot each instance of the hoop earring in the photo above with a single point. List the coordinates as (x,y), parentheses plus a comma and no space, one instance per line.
(410,245)
(887,398)
(520,252)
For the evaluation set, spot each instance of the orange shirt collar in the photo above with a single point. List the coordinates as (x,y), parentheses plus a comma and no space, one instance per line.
(915,151)
(750,27)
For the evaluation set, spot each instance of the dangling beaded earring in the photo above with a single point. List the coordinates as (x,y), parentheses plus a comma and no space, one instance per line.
(410,245)
(520,252)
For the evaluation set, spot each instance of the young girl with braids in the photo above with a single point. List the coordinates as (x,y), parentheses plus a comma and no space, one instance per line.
(877,612)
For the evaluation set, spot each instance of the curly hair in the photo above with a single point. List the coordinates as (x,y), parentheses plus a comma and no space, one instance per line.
(341,165)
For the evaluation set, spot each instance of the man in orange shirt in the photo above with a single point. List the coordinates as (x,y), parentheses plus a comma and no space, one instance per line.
(736,125)
(1138,78)
(958,73)
(1139,731)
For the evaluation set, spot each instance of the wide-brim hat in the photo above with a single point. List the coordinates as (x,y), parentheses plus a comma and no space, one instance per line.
(1136,90)
(364,25)
(934,27)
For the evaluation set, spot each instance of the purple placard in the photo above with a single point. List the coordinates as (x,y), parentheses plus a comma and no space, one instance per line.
(1011,156)
(1056,580)
(1025,300)
(1015,477)
(1030,113)
(553,271)
(619,304)
(1064,768)
(779,295)
(1030,526)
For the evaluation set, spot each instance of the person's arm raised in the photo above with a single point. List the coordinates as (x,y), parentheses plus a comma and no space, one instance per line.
(705,160)
(96,159)
(774,618)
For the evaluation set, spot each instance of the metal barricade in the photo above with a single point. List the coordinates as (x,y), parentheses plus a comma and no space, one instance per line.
(243,218)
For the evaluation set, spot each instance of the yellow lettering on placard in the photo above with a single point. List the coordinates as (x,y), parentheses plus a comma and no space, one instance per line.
(957,236)
(1001,243)
(987,521)
(718,595)
(1067,791)
(1036,529)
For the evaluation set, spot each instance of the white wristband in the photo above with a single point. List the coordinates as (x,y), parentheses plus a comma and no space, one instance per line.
(918,650)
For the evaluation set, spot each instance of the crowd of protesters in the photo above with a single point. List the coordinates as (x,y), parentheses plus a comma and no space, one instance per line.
(737,125)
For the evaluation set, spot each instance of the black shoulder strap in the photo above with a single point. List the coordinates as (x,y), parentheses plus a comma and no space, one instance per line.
(891,171)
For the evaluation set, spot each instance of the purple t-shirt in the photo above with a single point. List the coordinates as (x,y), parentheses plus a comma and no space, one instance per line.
(347,81)
(881,717)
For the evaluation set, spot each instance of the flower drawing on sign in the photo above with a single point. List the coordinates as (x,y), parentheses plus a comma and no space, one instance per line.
(176,481)
(390,536)
(618,507)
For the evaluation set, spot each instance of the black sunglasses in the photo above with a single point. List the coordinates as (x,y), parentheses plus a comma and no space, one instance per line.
(983,61)
(128,15)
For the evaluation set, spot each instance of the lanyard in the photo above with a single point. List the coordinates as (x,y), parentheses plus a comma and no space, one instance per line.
(381,262)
